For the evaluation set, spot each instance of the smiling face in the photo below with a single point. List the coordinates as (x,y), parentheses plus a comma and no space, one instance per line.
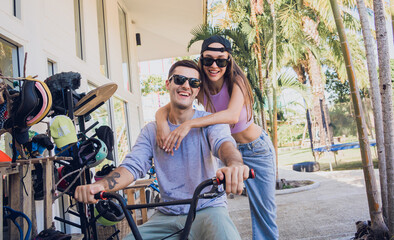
(213,72)
(182,96)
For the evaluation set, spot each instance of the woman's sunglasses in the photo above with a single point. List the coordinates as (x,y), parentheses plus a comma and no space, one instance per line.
(180,80)
(220,62)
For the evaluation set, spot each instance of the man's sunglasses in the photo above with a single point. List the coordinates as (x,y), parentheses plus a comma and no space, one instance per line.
(180,80)
(220,62)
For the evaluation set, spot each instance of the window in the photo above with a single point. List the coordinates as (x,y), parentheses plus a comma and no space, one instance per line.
(102,38)
(139,117)
(78,28)
(16,7)
(100,115)
(9,67)
(52,68)
(121,127)
(125,49)
(9,59)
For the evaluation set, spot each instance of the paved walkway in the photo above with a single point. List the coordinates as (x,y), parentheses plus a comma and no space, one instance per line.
(327,212)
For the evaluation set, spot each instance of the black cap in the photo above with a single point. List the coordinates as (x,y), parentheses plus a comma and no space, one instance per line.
(43,140)
(216,39)
(105,134)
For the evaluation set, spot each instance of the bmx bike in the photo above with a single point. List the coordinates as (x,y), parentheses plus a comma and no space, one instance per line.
(184,233)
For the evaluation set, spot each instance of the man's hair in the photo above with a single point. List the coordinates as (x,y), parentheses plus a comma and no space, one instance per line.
(183,63)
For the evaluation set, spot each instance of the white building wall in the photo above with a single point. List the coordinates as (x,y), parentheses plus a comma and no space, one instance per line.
(46,31)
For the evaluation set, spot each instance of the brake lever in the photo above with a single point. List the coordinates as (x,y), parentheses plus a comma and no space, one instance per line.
(209,195)
(214,192)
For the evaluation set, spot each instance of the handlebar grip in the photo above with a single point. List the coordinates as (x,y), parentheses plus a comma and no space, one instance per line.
(252,174)
(101,195)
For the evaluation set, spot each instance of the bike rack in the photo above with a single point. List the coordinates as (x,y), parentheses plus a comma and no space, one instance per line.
(88,230)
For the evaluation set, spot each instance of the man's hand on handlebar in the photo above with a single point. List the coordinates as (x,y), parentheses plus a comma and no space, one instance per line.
(118,179)
(85,193)
(235,175)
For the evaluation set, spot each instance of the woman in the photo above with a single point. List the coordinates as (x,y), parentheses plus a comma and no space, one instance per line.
(227,94)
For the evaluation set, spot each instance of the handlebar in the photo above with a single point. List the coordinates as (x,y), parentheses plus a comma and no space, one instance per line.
(193,204)
(252,174)
(105,195)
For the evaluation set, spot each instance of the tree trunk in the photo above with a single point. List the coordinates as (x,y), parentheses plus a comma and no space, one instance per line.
(375,210)
(330,131)
(387,105)
(299,69)
(275,129)
(376,101)
(314,72)
(392,14)
(259,56)
(274,84)
(268,86)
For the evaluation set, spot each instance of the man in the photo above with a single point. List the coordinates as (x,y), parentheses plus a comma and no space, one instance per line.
(179,175)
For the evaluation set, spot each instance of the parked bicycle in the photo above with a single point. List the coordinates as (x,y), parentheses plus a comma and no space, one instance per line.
(152,193)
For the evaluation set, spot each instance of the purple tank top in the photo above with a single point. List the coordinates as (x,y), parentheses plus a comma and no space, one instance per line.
(221,100)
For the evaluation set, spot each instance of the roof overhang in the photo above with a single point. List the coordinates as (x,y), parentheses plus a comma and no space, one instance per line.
(164,26)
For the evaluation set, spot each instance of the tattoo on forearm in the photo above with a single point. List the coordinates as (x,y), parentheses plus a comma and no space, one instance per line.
(111,180)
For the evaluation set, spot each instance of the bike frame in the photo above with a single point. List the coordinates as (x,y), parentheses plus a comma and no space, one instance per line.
(190,217)
(213,193)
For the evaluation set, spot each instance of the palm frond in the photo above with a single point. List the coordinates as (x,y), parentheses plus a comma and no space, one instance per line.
(287,80)
(202,32)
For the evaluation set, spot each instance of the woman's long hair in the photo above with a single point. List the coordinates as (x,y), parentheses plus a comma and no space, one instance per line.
(233,75)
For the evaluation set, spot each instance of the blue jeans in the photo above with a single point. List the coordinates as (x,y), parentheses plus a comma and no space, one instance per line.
(212,223)
(260,155)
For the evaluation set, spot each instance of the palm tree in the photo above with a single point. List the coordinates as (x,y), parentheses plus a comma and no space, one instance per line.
(387,105)
(242,14)
(257,45)
(287,80)
(317,24)
(378,225)
(392,15)
(312,67)
(376,101)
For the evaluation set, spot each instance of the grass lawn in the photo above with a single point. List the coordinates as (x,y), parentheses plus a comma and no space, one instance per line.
(346,159)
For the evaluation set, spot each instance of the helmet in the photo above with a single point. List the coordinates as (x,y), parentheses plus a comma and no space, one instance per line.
(105,170)
(45,103)
(63,184)
(111,212)
(32,105)
(92,152)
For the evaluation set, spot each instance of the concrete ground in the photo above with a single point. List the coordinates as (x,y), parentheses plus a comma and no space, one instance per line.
(327,212)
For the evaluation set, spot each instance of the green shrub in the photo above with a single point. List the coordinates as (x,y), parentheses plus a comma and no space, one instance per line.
(288,133)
